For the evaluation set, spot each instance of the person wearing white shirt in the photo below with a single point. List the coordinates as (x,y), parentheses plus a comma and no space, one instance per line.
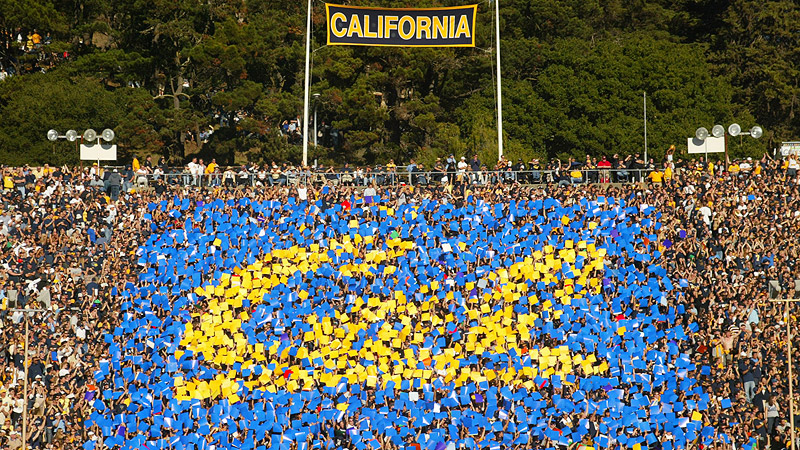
(462,166)
(194,171)
(746,165)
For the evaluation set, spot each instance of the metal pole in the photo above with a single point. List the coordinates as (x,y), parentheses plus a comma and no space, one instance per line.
(315,125)
(25,391)
(25,381)
(499,84)
(789,357)
(307,82)
(727,160)
(791,378)
(645,128)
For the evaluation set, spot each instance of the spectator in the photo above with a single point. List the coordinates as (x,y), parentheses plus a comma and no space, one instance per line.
(723,238)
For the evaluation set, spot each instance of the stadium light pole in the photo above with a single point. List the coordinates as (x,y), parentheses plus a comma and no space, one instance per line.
(316,101)
(88,136)
(719,131)
(644,97)
(499,83)
(307,82)
(26,312)
(789,359)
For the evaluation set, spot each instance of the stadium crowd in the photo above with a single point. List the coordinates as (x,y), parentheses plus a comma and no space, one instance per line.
(69,240)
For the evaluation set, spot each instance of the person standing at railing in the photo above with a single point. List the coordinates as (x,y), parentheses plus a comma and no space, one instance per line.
(575,174)
(158,172)
(642,167)
(261,176)
(518,169)
(496,174)
(535,175)
(550,176)
(462,170)
(450,168)
(419,175)
(604,167)
(209,171)
(229,178)
(439,171)
(292,175)
(347,175)
(391,169)
(243,176)
(622,172)
(475,169)
(589,174)
(192,170)
(483,176)
(274,174)
(201,172)
(358,176)
(411,166)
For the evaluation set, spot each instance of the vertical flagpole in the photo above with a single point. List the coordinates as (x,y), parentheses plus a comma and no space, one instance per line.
(305,91)
(499,83)
(645,128)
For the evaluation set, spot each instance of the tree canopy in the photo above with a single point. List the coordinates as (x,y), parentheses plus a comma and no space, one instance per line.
(219,78)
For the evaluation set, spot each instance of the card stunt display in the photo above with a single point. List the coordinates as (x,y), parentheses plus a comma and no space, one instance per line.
(291,325)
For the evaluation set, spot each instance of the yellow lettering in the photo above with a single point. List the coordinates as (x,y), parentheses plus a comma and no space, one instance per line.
(439,27)
(463,27)
(338,32)
(367,33)
(423,26)
(355,27)
(389,24)
(406,35)
(452,26)
(380,27)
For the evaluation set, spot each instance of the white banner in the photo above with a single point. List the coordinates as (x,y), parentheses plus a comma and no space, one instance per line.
(99,152)
(709,145)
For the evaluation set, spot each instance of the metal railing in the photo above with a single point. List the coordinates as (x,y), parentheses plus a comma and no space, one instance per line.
(363,178)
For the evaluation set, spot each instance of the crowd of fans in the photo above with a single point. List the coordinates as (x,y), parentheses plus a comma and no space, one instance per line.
(68,242)
(471,171)
(27,51)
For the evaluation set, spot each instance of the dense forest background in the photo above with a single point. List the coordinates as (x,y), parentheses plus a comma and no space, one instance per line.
(162,73)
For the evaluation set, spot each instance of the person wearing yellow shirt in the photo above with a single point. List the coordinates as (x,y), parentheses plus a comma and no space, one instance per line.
(656,177)
(8,181)
(135,165)
(711,168)
(734,168)
(667,172)
(391,168)
(210,169)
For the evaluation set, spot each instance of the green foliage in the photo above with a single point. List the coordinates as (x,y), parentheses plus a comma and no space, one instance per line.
(574,72)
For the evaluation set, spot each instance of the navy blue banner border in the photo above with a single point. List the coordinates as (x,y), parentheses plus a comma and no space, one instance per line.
(401,27)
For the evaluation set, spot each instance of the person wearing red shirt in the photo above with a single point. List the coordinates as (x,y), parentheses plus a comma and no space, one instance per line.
(604,165)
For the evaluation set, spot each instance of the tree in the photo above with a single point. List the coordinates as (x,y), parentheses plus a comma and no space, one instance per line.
(760,51)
